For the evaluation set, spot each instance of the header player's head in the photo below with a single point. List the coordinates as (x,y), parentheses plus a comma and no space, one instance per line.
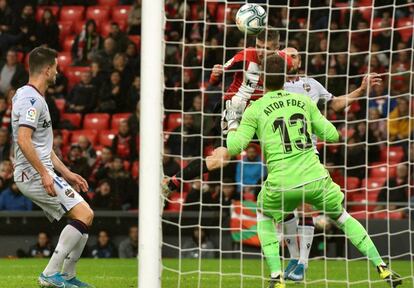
(43,65)
(296,60)
(267,42)
(274,72)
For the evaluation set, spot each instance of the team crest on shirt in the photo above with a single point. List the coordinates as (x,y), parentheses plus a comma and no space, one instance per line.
(306,87)
(69,192)
(31,114)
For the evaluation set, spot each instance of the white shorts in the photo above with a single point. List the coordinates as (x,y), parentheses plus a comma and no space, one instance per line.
(54,207)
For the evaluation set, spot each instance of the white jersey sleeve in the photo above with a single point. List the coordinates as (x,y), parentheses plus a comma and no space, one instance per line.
(323,94)
(28,110)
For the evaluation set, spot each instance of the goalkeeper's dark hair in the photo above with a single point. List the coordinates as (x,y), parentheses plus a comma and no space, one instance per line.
(269,34)
(274,72)
(41,57)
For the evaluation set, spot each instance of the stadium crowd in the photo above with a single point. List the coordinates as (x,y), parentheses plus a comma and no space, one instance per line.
(95,102)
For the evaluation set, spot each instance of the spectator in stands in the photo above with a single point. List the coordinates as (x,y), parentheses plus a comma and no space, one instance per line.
(196,110)
(354,153)
(400,126)
(134,93)
(3,108)
(76,162)
(125,143)
(102,165)
(6,17)
(104,247)
(12,73)
(43,248)
(122,184)
(128,248)
(98,76)
(86,43)
(120,63)
(133,120)
(26,26)
(185,139)
(83,96)
(381,100)
(132,52)
(48,30)
(250,169)
(134,19)
(87,150)
(170,165)
(105,198)
(112,96)
(387,38)
(105,56)
(58,90)
(395,190)
(12,199)
(5,148)
(121,39)
(200,246)
(228,194)
(6,172)
(58,144)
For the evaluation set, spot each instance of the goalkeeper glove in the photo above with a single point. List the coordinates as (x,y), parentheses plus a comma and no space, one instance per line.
(232,114)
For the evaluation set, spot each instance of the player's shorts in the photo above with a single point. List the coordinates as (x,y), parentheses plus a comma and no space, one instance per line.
(53,207)
(324,194)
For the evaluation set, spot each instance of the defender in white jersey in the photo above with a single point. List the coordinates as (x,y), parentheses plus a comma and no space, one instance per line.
(299,252)
(34,174)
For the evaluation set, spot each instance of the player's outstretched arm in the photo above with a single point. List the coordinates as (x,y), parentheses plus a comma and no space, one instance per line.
(238,139)
(24,140)
(322,128)
(341,102)
(79,183)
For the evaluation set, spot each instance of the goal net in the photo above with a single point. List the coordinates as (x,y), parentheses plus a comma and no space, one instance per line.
(209,224)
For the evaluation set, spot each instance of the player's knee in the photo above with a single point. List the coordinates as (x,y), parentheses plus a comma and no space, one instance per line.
(89,216)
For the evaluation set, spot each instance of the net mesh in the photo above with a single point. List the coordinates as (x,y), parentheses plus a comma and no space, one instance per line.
(212,219)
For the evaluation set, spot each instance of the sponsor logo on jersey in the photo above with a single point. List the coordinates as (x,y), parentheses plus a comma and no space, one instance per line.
(47,124)
(31,114)
(32,101)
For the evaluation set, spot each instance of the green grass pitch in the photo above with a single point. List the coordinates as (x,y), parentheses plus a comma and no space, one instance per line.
(116,273)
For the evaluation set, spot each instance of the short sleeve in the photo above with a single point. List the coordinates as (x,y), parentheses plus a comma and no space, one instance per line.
(28,111)
(324,95)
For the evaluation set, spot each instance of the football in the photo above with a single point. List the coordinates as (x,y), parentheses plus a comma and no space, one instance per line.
(251,19)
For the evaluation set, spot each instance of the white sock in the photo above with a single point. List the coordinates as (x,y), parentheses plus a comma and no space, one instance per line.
(69,265)
(305,241)
(290,235)
(69,237)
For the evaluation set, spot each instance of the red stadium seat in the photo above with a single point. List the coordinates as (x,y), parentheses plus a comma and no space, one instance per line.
(106,137)
(91,134)
(98,13)
(65,29)
(74,118)
(361,214)
(20,56)
(73,74)
(65,136)
(220,13)
(373,184)
(64,60)
(108,3)
(68,43)
(393,154)
(120,13)
(381,170)
(40,10)
(174,121)
(118,117)
(405,27)
(98,121)
(60,104)
(136,39)
(135,170)
(72,13)
(388,215)
(349,183)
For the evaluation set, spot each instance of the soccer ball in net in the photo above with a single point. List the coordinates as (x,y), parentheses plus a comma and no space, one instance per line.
(251,19)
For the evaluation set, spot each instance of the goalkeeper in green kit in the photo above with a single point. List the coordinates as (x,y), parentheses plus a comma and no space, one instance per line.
(284,123)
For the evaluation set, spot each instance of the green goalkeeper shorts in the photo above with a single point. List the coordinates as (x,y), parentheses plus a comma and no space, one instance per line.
(324,194)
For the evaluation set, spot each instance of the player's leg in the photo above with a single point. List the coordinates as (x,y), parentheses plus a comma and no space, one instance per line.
(219,158)
(84,214)
(290,229)
(327,196)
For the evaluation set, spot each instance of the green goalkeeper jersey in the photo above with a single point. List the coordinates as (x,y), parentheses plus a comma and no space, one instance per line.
(284,123)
